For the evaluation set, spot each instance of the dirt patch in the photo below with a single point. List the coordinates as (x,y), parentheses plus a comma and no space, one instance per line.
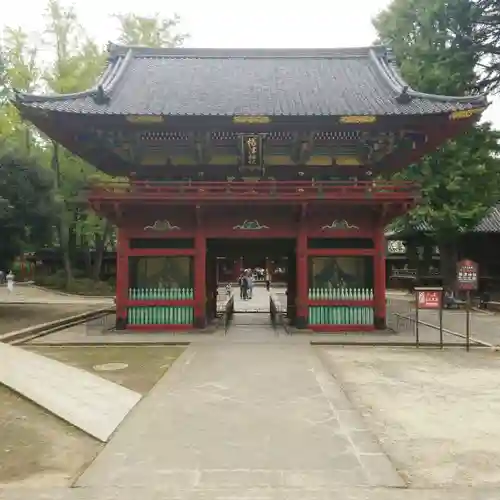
(37,448)
(18,316)
(135,367)
(435,413)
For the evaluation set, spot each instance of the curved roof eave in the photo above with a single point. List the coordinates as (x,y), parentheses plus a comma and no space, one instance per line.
(391,75)
(104,85)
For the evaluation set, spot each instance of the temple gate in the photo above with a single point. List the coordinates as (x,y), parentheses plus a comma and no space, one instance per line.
(291,148)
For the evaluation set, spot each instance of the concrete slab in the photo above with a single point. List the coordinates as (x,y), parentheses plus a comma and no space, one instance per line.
(240,416)
(85,400)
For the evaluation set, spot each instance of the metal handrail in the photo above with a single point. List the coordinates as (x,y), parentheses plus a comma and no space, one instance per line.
(277,316)
(228,313)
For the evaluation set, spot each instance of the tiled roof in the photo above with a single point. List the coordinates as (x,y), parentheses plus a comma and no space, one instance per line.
(489,224)
(271,82)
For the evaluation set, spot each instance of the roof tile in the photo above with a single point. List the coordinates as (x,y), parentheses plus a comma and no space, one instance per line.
(259,82)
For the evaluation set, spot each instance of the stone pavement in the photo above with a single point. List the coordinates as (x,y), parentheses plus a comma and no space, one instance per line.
(243,415)
(30,294)
(258,303)
(247,421)
(87,401)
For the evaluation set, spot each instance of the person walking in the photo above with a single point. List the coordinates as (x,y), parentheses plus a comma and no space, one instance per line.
(10,282)
(249,284)
(268,281)
(241,282)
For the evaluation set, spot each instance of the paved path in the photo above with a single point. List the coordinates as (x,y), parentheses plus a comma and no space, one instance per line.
(28,294)
(87,401)
(258,303)
(243,415)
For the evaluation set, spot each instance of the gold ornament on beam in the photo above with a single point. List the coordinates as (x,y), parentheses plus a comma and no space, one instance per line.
(351,119)
(465,113)
(253,120)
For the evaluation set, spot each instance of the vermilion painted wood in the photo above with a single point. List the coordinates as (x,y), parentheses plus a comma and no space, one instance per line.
(207,188)
(141,233)
(341,328)
(160,252)
(379,275)
(340,252)
(301,256)
(301,232)
(267,191)
(354,303)
(161,328)
(339,234)
(245,234)
(121,274)
(159,302)
(200,263)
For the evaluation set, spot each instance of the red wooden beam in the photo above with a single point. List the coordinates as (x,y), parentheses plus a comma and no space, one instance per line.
(160,252)
(340,252)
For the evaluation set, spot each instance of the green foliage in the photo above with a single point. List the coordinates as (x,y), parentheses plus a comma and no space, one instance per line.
(154,31)
(486,38)
(432,41)
(72,62)
(26,205)
(80,285)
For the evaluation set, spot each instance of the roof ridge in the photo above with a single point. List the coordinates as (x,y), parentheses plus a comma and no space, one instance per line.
(256,53)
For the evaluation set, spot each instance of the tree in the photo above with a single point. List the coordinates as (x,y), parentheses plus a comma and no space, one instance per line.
(432,41)
(26,205)
(73,64)
(76,67)
(487,42)
(149,31)
(20,55)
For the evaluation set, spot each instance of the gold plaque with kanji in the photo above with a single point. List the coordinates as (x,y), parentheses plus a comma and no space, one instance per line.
(251,148)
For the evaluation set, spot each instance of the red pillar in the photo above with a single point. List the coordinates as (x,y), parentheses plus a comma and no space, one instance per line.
(200,261)
(379,279)
(302,316)
(122,279)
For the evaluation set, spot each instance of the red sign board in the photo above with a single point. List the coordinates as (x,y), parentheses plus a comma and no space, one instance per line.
(429,299)
(467,275)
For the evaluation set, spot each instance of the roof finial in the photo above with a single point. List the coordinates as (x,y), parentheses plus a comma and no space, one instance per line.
(404,97)
(100,96)
(389,55)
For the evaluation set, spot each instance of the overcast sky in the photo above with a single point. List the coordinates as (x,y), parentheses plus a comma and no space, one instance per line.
(224,23)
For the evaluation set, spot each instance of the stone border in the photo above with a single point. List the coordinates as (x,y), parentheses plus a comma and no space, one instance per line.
(369,451)
(59,323)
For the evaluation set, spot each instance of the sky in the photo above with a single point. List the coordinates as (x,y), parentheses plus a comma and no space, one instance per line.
(225,23)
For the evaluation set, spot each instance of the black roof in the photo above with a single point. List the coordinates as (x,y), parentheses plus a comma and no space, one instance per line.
(270,82)
(489,224)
